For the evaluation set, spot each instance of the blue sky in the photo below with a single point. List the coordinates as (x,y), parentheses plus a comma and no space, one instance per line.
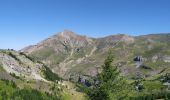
(26,22)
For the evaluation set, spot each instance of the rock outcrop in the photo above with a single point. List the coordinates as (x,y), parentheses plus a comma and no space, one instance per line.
(19,65)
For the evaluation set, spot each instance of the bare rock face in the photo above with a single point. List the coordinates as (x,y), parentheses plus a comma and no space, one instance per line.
(127,39)
(138,59)
(73,40)
(15,63)
(166,58)
(155,58)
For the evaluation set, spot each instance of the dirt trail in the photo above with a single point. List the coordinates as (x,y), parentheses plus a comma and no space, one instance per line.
(92,51)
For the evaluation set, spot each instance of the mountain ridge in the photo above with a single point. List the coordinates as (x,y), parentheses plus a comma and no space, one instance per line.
(73,33)
(67,33)
(67,53)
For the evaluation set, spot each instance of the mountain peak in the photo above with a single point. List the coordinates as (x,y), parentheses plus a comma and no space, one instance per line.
(66,33)
(66,30)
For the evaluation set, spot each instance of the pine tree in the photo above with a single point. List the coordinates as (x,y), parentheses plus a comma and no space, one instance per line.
(111,84)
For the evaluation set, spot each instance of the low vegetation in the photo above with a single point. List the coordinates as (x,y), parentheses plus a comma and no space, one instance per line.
(49,75)
(13,75)
(14,56)
(30,58)
(10,91)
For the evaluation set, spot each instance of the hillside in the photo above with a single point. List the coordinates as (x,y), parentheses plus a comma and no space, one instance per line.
(70,55)
(24,78)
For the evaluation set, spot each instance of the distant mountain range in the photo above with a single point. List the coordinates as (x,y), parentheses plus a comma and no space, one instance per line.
(69,54)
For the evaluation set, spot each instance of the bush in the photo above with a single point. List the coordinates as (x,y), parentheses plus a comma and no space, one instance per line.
(15,57)
(49,75)
(30,58)
(13,75)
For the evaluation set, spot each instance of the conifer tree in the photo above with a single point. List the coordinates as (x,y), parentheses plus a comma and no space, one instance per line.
(111,84)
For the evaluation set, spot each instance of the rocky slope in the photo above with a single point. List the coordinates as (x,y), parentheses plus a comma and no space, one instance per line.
(69,54)
(24,77)
(18,65)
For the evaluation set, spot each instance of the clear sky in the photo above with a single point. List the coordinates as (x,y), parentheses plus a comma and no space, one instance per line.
(26,22)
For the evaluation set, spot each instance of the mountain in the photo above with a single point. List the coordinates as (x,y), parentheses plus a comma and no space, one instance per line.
(70,55)
(33,71)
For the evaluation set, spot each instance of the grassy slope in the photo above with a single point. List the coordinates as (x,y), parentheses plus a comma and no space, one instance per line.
(72,94)
(8,91)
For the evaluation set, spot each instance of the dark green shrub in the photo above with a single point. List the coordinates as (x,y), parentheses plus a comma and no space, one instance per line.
(49,75)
